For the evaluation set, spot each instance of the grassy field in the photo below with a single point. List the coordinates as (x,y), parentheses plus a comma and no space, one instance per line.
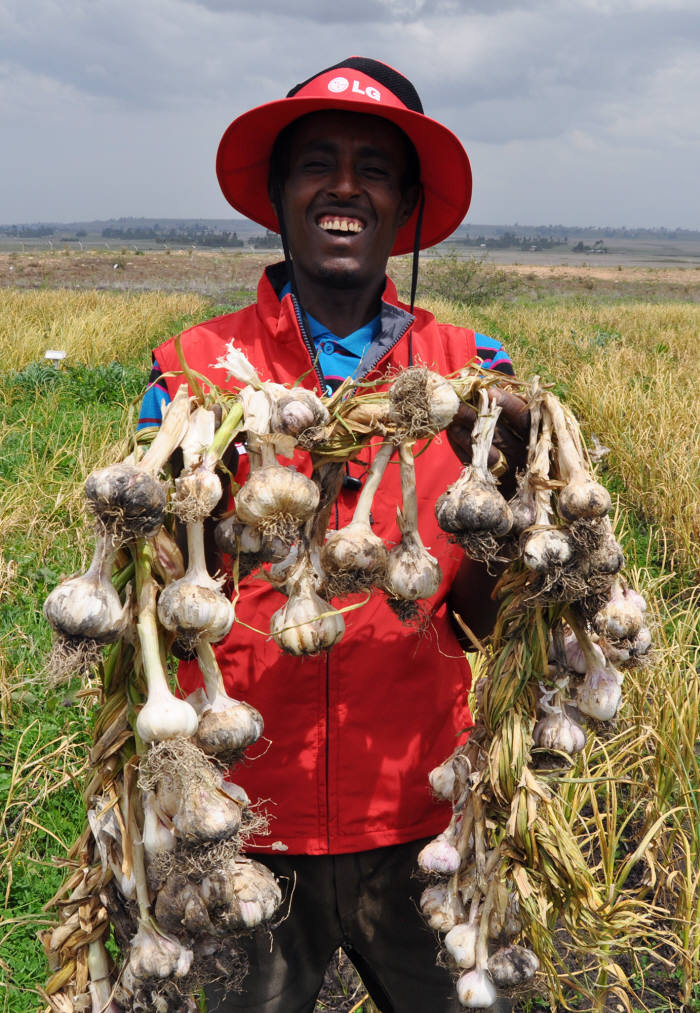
(627,367)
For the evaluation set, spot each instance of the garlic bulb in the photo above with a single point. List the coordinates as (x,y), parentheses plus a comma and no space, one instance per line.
(512,965)
(475,990)
(226,726)
(473,504)
(559,732)
(439,857)
(620,618)
(411,572)
(128,499)
(276,501)
(421,403)
(295,410)
(547,548)
(193,607)
(582,497)
(600,695)
(157,838)
(354,558)
(442,780)
(242,894)
(306,624)
(460,943)
(88,606)
(153,954)
(441,906)
(163,716)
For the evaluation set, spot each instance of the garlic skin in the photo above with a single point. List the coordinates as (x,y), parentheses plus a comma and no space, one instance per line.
(88,606)
(441,907)
(306,624)
(153,954)
(228,727)
(157,838)
(475,990)
(513,965)
(439,857)
(295,410)
(357,554)
(460,943)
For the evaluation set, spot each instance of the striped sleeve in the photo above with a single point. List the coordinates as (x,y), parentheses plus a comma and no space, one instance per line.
(154,400)
(493,355)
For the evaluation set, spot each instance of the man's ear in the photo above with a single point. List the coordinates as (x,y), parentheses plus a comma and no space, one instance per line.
(408,203)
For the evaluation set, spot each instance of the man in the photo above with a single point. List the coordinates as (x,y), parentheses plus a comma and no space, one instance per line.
(349,170)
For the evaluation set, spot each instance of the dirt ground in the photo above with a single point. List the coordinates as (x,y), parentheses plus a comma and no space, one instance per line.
(228,275)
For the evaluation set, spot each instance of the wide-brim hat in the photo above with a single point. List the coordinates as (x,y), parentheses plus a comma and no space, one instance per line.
(363,86)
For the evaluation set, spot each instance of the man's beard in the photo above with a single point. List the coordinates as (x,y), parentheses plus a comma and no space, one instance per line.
(343,279)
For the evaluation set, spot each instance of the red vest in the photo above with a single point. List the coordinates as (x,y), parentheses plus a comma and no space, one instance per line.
(352,733)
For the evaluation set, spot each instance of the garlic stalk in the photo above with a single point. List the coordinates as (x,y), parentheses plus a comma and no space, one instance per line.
(421,403)
(163,716)
(100,985)
(88,607)
(473,505)
(226,726)
(582,497)
(354,558)
(128,498)
(522,503)
(193,607)
(547,548)
(411,573)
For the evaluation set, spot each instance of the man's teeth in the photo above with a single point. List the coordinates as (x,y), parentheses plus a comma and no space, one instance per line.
(341,225)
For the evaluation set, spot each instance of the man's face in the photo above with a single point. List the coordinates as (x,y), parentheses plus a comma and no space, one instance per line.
(344,197)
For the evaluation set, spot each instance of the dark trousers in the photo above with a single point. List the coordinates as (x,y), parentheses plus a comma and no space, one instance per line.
(365,903)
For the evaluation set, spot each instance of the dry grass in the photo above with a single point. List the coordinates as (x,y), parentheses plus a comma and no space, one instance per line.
(92,327)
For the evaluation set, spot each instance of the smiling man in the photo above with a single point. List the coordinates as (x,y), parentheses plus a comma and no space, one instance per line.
(349,170)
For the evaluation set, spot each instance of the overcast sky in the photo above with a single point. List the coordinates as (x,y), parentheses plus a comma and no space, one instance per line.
(580,112)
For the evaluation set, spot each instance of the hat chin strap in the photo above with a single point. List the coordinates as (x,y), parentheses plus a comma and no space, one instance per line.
(304,323)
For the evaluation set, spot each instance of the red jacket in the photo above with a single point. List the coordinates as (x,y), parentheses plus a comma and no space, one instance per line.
(353,733)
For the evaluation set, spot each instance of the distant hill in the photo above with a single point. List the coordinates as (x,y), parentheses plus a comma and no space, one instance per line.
(245,229)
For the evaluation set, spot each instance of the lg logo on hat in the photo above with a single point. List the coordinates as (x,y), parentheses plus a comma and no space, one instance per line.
(339,84)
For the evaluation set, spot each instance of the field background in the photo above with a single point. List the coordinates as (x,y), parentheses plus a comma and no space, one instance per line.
(619,342)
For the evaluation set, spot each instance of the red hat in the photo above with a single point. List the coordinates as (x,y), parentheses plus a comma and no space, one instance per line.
(356,85)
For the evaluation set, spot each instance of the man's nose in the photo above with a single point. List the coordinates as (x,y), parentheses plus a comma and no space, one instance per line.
(344,181)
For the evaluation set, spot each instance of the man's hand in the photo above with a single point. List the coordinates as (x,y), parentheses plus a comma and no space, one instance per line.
(510,437)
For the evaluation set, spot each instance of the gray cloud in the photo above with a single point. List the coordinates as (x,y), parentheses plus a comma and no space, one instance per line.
(119,105)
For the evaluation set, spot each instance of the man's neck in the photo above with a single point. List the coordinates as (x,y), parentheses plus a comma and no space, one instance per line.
(341,310)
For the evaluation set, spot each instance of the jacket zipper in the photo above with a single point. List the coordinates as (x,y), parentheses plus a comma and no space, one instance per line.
(322,384)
